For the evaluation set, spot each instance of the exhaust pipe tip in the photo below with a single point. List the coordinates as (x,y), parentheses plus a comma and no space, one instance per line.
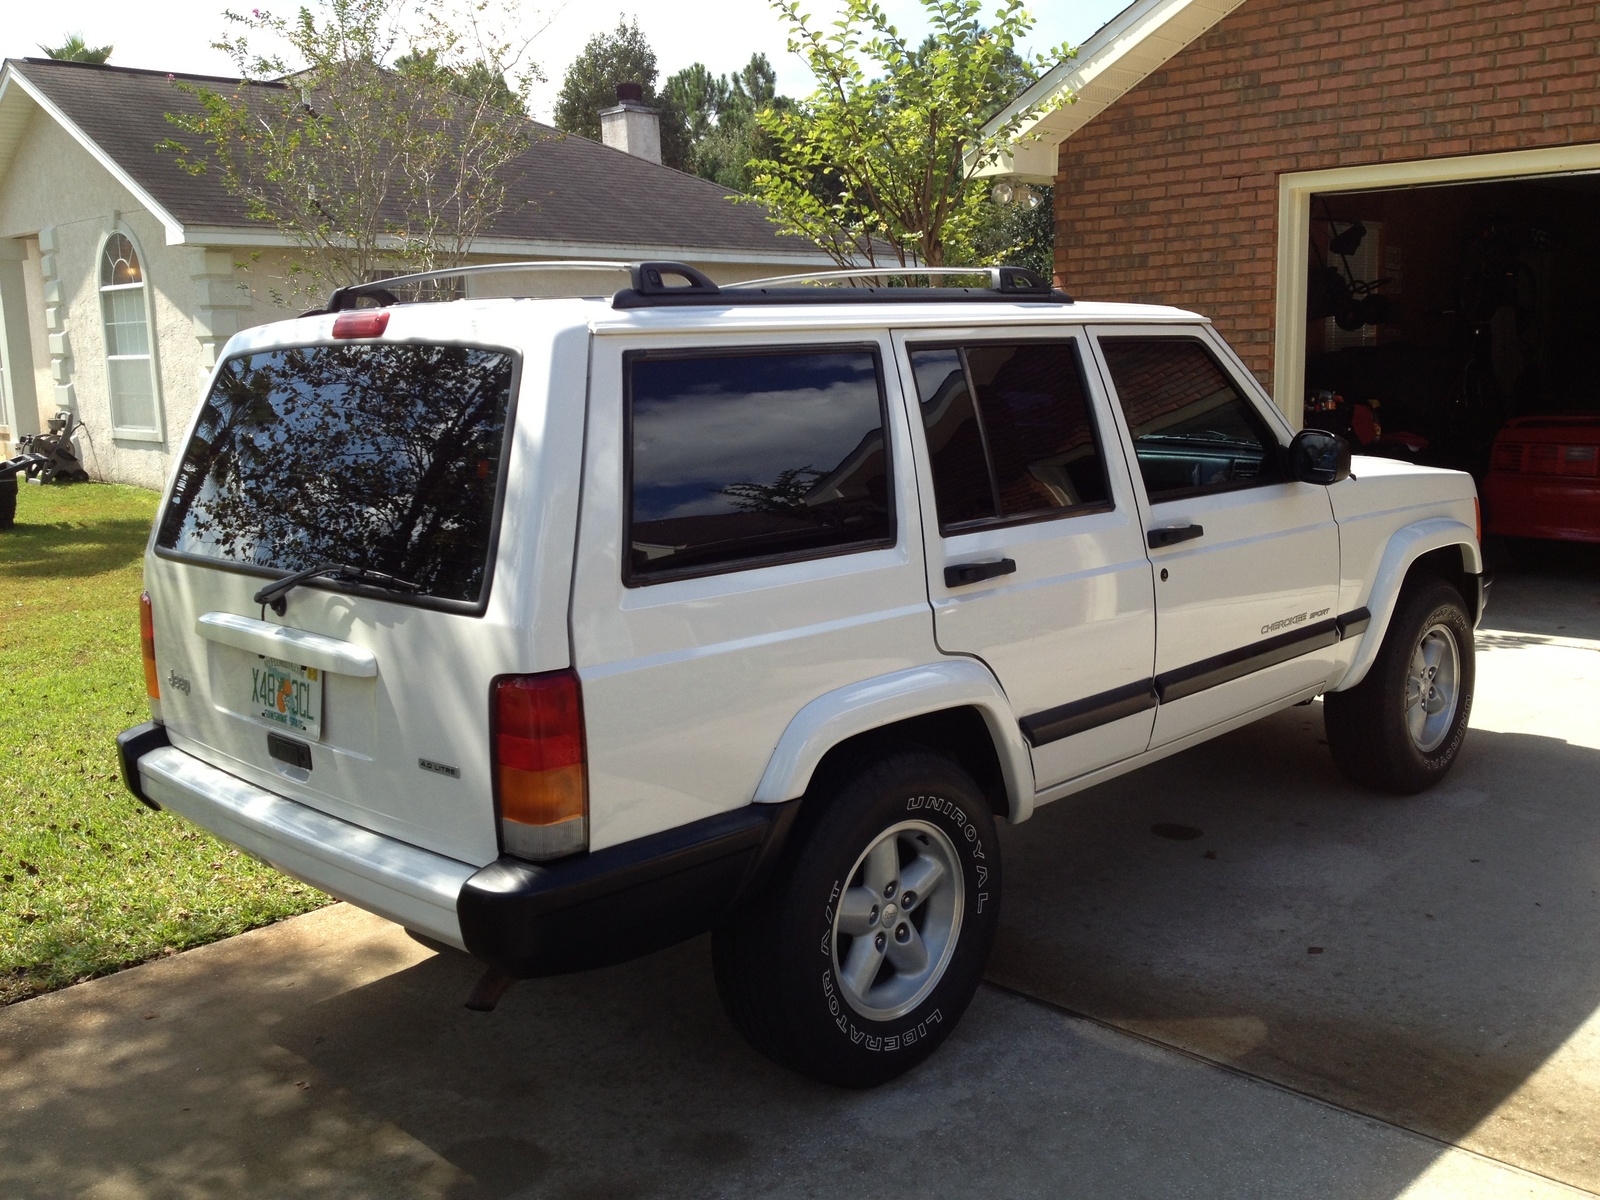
(491,987)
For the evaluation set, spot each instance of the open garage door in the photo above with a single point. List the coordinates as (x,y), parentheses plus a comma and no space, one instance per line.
(1443,312)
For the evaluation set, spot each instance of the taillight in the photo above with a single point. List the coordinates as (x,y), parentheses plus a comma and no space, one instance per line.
(147,647)
(1507,457)
(540,780)
(370,323)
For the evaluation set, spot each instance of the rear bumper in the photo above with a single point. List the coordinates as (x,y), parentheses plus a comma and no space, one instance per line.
(526,919)
(394,879)
(1542,507)
(592,910)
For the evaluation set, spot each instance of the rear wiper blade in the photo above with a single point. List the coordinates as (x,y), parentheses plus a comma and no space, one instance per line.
(275,594)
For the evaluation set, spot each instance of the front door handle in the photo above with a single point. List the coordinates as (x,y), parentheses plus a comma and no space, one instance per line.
(1172,535)
(965,573)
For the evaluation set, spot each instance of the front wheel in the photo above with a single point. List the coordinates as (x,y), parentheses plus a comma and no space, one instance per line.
(862,953)
(1400,729)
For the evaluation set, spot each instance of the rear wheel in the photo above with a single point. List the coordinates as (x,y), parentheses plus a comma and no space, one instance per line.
(1400,729)
(863,951)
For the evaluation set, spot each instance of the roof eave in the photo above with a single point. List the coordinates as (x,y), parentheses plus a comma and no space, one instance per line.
(11,77)
(264,237)
(1135,43)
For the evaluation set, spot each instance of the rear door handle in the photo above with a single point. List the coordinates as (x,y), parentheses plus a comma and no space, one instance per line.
(1172,535)
(965,573)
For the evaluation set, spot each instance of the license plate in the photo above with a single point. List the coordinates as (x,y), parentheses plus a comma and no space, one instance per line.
(287,695)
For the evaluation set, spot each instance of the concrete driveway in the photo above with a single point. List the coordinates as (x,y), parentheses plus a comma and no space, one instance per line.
(1323,994)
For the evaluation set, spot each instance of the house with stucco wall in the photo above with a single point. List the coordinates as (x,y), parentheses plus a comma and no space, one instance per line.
(122,275)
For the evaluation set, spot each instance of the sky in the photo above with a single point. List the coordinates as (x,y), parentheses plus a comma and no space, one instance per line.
(720,33)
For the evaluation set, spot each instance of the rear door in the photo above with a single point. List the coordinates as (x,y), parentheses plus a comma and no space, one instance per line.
(750,541)
(367,702)
(1246,559)
(1036,562)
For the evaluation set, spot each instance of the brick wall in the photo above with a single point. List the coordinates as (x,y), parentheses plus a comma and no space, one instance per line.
(1170,196)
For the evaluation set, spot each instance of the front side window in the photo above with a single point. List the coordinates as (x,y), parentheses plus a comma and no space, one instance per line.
(1010,435)
(125,314)
(1193,430)
(386,457)
(741,459)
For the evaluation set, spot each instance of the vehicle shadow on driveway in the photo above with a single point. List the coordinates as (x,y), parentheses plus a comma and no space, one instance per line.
(1429,960)
(329,1056)
(630,1083)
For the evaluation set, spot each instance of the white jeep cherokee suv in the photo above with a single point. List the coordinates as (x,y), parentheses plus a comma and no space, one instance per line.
(562,630)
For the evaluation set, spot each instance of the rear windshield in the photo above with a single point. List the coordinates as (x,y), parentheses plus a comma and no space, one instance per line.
(385,457)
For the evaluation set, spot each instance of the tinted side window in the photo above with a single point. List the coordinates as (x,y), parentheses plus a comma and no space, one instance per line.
(1009,431)
(962,485)
(1192,429)
(741,459)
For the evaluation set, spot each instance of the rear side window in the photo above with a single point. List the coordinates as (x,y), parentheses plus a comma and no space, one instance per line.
(1193,431)
(742,459)
(386,457)
(1010,435)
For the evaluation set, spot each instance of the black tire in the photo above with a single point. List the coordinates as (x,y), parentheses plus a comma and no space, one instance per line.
(777,958)
(1369,729)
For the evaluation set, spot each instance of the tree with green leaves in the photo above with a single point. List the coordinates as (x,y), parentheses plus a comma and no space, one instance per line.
(700,96)
(590,85)
(720,118)
(473,81)
(878,166)
(369,161)
(75,49)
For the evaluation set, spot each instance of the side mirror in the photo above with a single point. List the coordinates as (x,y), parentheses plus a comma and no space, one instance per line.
(1317,456)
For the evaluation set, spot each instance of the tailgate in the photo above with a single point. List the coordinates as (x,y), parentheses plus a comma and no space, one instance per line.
(367,695)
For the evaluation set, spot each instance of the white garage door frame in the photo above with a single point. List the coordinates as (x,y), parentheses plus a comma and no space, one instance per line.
(1294,231)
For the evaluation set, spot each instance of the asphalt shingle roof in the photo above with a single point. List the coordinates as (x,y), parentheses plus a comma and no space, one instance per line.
(565,188)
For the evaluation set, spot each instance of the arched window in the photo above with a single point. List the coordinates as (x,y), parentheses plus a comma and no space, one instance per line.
(130,362)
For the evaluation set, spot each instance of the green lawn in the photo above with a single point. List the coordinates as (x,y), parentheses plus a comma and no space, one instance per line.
(91,880)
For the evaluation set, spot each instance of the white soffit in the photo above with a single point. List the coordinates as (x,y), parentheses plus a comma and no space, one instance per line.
(1137,41)
(16,109)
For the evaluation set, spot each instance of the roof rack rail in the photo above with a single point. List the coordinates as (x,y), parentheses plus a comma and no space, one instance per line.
(649,279)
(651,286)
(1001,279)
(1009,284)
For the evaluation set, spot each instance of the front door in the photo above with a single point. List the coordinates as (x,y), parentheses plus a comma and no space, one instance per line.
(1246,558)
(1036,561)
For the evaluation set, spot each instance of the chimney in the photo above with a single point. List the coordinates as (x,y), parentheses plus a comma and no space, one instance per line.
(632,126)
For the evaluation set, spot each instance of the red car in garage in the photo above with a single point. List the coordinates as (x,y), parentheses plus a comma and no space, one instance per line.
(1544,479)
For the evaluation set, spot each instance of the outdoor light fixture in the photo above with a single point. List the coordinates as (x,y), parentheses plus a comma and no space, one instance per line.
(1016,193)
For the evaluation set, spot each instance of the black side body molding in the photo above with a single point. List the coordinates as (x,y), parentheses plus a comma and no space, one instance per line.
(132,745)
(1352,623)
(1053,724)
(592,910)
(1224,668)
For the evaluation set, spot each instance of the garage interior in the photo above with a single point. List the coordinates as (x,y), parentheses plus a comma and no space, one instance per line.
(1447,310)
